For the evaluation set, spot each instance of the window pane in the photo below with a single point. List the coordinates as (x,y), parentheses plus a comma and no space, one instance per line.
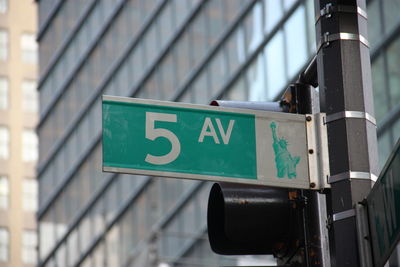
(296,47)
(253,28)
(29,243)
(238,91)
(272,12)
(3,6)
(378,83)
(393,56)
(4,192)
(391,14)
(235,49)
(29,96)
(256,80)
(29,145)
(374,25)
(275,65)
(3,44)
(3,93)
(4,244)
(30,195)
(4,142)
(384,145)
(29,48)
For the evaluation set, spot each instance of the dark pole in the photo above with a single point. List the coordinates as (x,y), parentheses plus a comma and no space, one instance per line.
(344,77)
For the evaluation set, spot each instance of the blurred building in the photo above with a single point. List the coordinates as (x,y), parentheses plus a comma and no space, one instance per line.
(191,51)
(18,140)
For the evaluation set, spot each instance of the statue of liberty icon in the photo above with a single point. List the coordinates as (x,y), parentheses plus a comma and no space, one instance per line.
(284,161)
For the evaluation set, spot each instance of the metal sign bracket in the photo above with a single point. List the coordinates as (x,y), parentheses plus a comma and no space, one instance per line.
(318,154)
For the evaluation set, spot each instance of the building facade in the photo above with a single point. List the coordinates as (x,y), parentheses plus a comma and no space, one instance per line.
(189,51)
(18,140)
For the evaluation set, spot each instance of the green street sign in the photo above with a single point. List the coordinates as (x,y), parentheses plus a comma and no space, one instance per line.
(384,209)
(161,138)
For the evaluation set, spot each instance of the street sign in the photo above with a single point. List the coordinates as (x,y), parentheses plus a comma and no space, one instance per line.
(384,209)
(160,138)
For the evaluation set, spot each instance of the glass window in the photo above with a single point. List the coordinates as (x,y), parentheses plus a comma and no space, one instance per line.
(29,145)
(182,54)
(275,65)
(4,142)
(238,91)
(295,33)
(4,244)
(165,25)
(29,243)
(61,256)
(378,85)
(29,48)
(235,49)
(112,246)
(396,131)
(215,20)
(29,96)
(3,93)
(384,145)
(393,56)
(391,14)
(168,78)
(30,195)
(4,192)
(374,25)
(201,89)
(253,28)
(272,13)
(3,44)
(47,234)
(256,79)
(3,6)
(73,248)
(218,72)
(198,38)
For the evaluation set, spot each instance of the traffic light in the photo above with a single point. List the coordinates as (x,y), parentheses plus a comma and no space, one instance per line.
(251,220)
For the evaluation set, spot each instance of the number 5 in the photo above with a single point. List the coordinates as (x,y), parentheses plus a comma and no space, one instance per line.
(153,133)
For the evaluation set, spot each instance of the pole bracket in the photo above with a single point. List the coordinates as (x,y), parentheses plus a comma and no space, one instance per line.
(350,114)
(329,9)
(327,38)
(350,175)
(343,215)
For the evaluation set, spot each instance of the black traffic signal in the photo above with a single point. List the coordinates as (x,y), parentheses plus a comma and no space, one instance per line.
(250,220)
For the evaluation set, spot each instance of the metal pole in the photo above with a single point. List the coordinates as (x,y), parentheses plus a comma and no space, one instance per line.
(344,77)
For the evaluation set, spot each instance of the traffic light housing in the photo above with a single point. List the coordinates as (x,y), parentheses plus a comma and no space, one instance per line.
(251,220)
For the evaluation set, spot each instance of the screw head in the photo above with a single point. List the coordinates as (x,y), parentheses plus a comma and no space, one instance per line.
(311,151)
(308,118)
(312,185)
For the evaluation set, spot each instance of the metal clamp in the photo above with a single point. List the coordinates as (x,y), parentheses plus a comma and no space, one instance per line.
(329,9)
(352,175)
(350,114)
(327,38)
(343,215)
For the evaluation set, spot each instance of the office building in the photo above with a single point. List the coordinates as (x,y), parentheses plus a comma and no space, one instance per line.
(18,140)
(189,51)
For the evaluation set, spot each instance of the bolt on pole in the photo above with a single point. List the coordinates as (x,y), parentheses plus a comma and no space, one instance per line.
(344,77)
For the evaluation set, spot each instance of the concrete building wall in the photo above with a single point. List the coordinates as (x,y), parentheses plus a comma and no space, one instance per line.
(18,19)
